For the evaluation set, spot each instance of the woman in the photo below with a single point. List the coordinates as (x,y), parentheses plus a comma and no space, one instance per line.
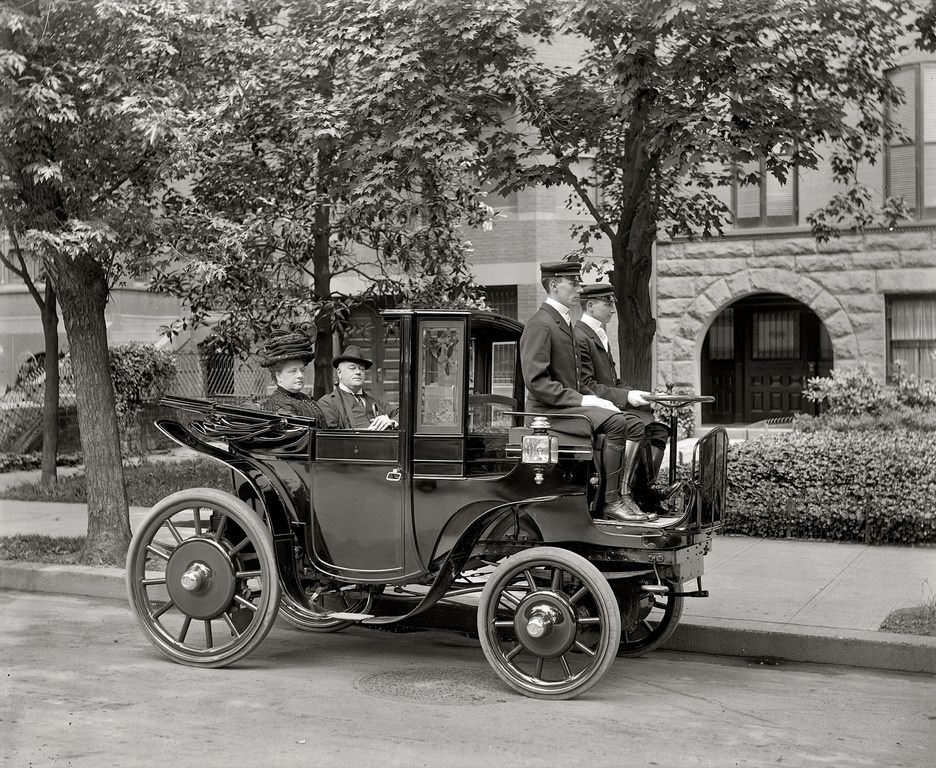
(287,353)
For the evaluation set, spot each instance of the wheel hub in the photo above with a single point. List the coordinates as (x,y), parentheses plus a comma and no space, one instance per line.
(545,624)
(200,578)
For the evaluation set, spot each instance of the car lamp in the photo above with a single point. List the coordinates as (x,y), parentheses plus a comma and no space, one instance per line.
(540,449)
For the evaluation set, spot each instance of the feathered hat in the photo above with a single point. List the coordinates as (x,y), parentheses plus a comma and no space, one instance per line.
(285,344)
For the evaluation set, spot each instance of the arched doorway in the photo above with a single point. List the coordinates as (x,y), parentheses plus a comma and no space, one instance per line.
(757,356)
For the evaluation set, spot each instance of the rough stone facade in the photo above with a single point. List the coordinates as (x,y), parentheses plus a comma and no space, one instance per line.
(844,281)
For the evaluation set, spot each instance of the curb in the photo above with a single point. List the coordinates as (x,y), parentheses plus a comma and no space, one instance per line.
(769,642)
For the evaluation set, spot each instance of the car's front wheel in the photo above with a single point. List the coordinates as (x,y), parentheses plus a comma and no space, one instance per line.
(548,623)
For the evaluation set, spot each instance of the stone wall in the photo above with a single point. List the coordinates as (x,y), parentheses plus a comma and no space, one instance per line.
(844,282)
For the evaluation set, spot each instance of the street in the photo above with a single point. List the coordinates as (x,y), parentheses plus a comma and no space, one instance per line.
(82,687)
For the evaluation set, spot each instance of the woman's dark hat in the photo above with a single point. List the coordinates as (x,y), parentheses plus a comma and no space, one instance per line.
(352,354)
(284,345)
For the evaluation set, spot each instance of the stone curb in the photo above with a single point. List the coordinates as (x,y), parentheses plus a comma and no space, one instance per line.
(771,642)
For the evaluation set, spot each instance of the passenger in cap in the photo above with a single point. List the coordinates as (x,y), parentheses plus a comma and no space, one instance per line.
(286,354)
(348,406)
(552,372)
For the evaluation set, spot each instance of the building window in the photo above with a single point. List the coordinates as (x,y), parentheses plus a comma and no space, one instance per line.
(767,204)
(911,334)
(502,299)
(910,159)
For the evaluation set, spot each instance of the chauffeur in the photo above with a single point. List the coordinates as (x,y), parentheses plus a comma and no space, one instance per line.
(599,374)
(552,372)
(286,353)
(348,406)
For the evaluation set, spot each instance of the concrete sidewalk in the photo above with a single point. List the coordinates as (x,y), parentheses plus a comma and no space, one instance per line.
(798,600)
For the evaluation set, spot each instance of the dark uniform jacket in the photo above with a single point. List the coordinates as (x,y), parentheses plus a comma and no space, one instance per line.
(600,374)
(298,403)
(552,371)
(342,410)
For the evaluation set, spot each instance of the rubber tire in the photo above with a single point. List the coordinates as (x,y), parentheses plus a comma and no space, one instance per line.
(251,524)
(598,586)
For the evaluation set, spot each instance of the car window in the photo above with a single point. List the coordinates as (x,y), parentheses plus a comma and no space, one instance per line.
(440,378)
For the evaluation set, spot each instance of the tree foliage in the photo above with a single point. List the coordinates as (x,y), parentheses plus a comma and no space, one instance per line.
(96,100)
(351,142)
(673,100)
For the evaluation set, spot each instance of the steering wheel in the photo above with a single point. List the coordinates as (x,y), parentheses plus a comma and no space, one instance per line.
(678,401)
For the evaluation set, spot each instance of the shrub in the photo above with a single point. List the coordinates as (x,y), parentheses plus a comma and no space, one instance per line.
(851,392)
(858,485)
(141,373)
(911,391)
(905,418)
(14,462)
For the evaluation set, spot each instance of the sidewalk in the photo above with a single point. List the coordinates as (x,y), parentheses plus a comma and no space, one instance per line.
(774,599)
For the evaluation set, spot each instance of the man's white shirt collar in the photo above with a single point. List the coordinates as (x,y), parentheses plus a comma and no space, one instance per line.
(591,322)
(562,309)
(343,388)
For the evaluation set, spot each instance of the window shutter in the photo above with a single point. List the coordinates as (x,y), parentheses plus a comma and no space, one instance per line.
(901,173)
(779,196)
(905,114)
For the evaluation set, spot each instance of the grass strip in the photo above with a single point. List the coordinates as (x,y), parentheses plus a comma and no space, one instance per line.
(146,483)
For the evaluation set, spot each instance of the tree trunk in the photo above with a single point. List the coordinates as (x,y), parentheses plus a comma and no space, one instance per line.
(325,326)
(82,292)
(632,253)
(50,402)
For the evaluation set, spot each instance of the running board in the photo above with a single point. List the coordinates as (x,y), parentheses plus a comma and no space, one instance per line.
(349,616)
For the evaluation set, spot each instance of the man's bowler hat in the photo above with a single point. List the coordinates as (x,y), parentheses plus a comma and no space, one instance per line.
(352,354)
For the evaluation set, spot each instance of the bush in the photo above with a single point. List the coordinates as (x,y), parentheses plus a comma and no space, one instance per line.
(851,392)
(912,391)
(14,462)
(859,485)
(904,418)
(146,483)
(141,375)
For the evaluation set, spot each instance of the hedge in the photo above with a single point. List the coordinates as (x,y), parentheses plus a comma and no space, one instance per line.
(12,462)
(866,485)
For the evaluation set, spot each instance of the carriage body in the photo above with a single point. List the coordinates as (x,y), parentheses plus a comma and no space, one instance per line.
(443,503)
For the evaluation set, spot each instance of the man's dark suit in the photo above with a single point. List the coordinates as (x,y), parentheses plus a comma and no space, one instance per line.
(552,372)
(599,373)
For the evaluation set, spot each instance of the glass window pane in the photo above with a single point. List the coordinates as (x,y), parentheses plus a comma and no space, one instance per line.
(721,336)
(776,335)
(439,385)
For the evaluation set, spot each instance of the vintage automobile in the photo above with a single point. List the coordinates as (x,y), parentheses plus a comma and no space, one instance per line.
(462,503)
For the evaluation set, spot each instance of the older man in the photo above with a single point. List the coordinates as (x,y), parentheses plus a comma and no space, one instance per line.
(348,406)
(599,374)
(552,372)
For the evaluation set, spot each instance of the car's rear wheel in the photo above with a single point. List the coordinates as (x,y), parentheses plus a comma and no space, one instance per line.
(201,578)
(323,601)
(548,623)
(647,619)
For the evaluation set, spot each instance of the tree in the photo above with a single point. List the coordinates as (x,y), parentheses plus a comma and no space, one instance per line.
(47,311)
(95,98)
(674,99)
(354,144)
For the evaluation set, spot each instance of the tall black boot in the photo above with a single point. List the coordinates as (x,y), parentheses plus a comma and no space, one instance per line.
(624,508)
(656,493)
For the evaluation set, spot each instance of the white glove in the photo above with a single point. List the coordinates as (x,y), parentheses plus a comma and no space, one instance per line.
(593,401)
(636,397)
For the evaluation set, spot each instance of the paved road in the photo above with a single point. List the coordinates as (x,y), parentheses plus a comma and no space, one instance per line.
(79,686)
